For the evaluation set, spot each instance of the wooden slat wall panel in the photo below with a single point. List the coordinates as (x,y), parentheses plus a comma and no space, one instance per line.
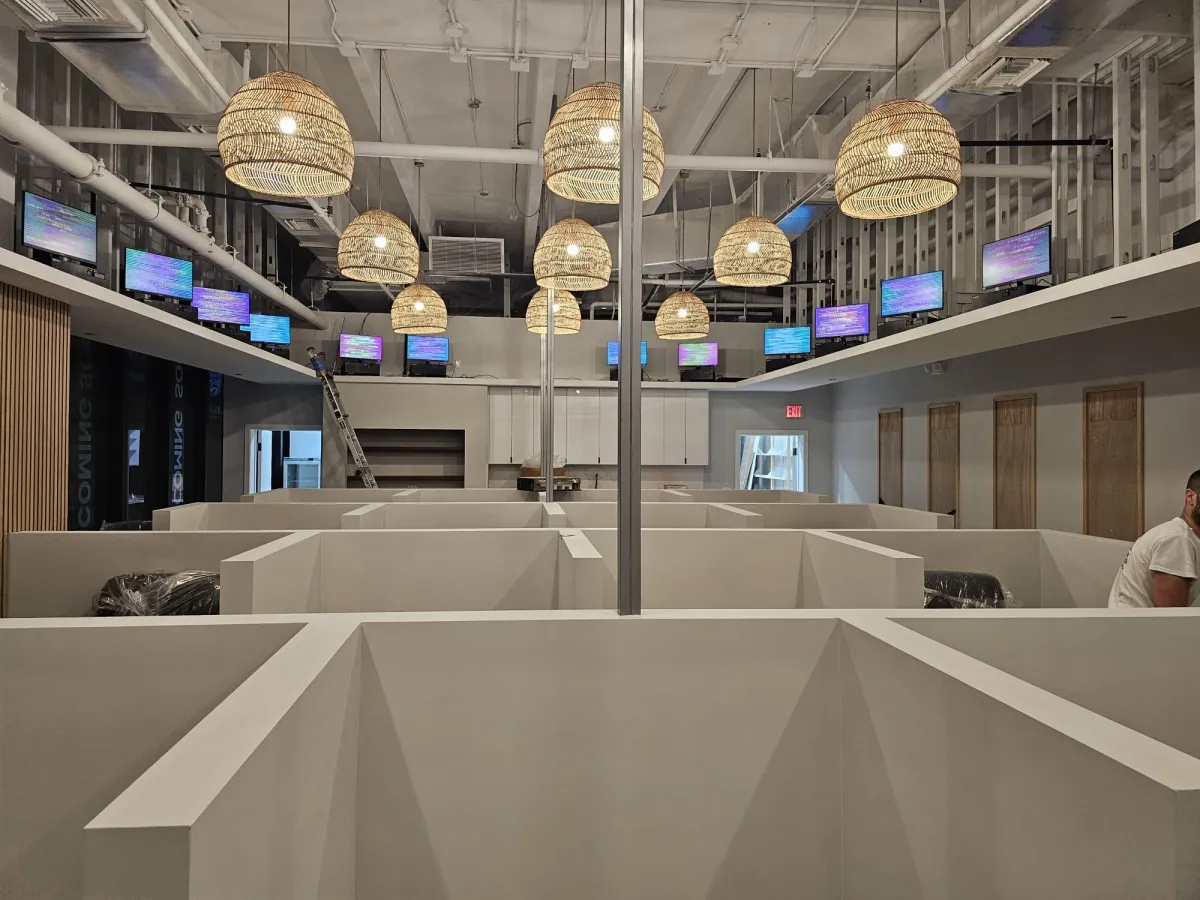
(35,369)
(943,459)
(891,457)
(1015,462)
(1112,478)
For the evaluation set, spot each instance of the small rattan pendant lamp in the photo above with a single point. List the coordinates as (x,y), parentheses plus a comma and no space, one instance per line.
(582,148)
(377,245)
(283,136)
(418,309)
(682,316)
(572,256)
(566,312)
(753,252)
(900,159)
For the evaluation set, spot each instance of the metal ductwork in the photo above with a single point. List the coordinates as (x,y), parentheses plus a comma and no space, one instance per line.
(663,235)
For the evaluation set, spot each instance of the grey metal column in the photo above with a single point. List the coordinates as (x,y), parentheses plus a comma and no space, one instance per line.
(1058,184)
(1083,179)
(548,398)
(629,385)
(1151,239)
(1122,191)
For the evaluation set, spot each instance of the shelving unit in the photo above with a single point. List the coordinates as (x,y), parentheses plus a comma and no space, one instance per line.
(402,458)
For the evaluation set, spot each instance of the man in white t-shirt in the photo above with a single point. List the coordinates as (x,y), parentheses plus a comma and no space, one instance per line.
(1162,567)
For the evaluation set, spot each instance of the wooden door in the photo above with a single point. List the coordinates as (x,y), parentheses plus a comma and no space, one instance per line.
(943,459)
(1014,457)
(891,457)
(1112,470)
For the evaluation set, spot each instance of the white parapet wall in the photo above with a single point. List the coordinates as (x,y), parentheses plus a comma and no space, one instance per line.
(1038,568)
(57,573)
(737,498)
(322,495)
(665,514)
(821,754)
(252,516)
(840,516)
(467,514)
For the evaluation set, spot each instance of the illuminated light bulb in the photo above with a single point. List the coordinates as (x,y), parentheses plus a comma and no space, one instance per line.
(607,134)
(381,241)
(419,305)
(556,307)
(753,247)
(287,125)
(572,249)
(896,149)
(682,313)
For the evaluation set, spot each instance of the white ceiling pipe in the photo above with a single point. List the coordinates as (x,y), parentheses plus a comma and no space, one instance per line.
(185,47)
(505,156)
(38,140)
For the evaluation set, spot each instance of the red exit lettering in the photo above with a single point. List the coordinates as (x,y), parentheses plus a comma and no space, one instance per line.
(795,412)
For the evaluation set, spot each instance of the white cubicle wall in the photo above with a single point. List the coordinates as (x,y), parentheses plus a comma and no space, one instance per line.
(57,573)
(843,515)
(872,762)
(661,515)
(251,516)
(446,515)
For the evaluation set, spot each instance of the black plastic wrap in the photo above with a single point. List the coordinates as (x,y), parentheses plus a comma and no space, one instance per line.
(134,525)
(964,590)
(160,594)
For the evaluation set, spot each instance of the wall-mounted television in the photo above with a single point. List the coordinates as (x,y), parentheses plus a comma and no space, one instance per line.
(425,347)
(842,321)
(216,305)
(269,329)
(787,341)
(58,229)
(1022,257)
(151,273)
(614,353)
(360,346)
(701,354)
(912,294)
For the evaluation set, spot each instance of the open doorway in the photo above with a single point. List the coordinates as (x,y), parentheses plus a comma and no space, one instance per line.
(772,462)
(282,458)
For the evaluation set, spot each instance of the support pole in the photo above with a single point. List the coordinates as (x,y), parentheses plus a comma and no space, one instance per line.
(629,385)
(1151,239)
(1083,179)
(548,398)
(1058,190)
(1122,162)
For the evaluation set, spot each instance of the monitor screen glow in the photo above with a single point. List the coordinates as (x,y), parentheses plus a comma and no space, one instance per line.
(912,294)
(787,341)
(269,329)
(1022,257)
(842,321)
(56,228)
(151,273)
(614,353)
(432,349)
(702,354)
(215,305)
(360,346)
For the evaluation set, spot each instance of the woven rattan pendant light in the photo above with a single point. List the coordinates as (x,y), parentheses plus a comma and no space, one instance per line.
(566,313)
(377,246)
(682,317)
(582,147)
(572,256)
(282,135)
(418,309)
(753,252)
(900,159)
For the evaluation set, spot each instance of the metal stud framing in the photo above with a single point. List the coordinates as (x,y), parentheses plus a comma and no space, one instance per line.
(1148,151)
(1083,180)
(1122,191)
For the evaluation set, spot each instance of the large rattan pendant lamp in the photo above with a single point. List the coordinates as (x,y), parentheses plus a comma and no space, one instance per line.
(572,256)
(282,135)
(566,312)
(582,148)
(900,159)
(418,309)
(377,246)
(753,252)
(682,316)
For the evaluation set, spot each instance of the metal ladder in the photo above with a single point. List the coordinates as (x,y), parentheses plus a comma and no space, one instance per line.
(317,360)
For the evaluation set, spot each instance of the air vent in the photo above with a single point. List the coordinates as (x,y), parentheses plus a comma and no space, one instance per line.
(466,256)
(63,12)
(302,225)
(1006,75)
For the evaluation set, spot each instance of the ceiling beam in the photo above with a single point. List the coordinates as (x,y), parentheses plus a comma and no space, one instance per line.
(541,99)
(365,67)
(694,115)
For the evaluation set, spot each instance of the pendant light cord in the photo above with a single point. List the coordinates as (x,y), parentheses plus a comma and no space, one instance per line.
(420,165)
(378,162)
(289,35)
(896,83)
(606,40)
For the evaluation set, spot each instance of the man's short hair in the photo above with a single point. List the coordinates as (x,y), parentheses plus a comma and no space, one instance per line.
(1194,482)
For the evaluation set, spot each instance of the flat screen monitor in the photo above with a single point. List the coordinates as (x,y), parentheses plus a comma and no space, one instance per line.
(1022,257)
(912,294)
(787,341)
(431,349)
(216,305)
(59,229)
(614,353)
(702,354)
(161,275)
(269,329)
(360,346)
(842,321)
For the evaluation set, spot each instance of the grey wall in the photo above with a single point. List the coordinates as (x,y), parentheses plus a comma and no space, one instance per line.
(1160,353)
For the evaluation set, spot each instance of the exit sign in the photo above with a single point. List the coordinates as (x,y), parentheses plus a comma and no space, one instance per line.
(795,412)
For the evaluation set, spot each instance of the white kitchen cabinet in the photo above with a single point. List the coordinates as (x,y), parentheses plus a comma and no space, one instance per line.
(526,424)
(500,426)
(583,426)
(653,421)
(674,428)
(560,425)
(608,427)
(695,437)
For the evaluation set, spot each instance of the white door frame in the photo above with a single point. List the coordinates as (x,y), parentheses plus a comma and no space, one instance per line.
(737,443)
